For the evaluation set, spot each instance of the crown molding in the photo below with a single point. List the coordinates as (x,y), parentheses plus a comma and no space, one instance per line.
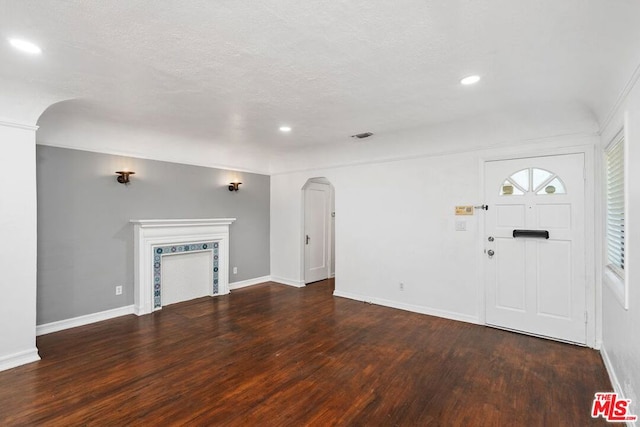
(19,126)
(621,99)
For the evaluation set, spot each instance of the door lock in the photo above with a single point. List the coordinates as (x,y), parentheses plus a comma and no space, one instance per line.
(491,253)
(491,239)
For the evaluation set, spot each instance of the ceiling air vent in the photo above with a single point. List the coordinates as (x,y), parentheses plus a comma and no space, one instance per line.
(362,135)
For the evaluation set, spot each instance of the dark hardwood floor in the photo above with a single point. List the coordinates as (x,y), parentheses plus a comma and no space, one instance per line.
(272,355)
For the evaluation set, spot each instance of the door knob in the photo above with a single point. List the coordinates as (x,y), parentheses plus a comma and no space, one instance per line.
(307,239)
(491,253)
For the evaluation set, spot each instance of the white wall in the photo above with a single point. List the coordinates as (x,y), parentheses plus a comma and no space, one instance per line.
(18,248)
(504,130)
(72,124)
(395,223)
(620,338)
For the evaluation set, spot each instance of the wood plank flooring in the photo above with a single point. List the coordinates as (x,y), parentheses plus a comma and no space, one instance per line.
(272,355)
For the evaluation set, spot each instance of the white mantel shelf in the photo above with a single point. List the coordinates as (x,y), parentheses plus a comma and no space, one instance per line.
(181,222)
(182,236)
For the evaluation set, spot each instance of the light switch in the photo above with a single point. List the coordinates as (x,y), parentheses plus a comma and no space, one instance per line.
(461,225)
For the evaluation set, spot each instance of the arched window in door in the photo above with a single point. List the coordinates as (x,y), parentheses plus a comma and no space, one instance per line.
(532,181)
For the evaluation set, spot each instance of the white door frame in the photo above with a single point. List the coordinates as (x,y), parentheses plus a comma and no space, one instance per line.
(319,180)
(593,297)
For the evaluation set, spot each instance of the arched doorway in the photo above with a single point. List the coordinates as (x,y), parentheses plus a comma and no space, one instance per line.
(318,233)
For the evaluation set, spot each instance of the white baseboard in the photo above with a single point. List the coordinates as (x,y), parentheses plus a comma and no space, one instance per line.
(410,307)
(614,380)
(612,373)
(289,282)
(61,325)
(20,358)
(249,282)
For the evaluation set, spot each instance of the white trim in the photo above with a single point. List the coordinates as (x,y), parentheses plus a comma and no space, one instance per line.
(451,315)
(18,359)
(87,319)
(159,223)
(481,265)
(598,240)
(617,285)
(591,281)
(507,144)
(61,325)
(18,126)
(622,97)
(288,282)
(136,155)
(612,373)
(249,282)
(301,238)
(612,376)
(162,232)
(530,151)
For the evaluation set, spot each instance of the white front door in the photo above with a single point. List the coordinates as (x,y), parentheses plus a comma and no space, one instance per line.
(536,282)
(317,211)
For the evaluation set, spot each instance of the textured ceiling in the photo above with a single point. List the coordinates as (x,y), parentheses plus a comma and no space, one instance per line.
(230,72)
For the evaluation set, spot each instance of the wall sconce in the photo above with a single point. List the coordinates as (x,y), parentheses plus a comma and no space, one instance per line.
(123,176)
(233,186)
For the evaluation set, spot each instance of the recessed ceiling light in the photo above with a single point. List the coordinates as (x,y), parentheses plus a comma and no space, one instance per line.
(25,46)
(469,80)
(285,128)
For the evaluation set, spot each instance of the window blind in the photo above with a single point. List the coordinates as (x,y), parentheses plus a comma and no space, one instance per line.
(615,207)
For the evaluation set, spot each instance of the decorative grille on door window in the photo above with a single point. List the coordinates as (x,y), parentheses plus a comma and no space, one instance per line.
(532,180)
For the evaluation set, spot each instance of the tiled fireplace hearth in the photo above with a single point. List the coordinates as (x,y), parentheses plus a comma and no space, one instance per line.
(159,238)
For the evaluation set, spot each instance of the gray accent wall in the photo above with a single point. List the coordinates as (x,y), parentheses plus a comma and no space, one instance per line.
(85,240)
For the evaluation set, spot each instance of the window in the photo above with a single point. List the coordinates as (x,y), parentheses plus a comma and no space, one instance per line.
(615,207)
(532,180)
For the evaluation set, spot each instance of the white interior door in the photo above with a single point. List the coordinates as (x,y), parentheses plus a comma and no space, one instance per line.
(533,283)
(316,227)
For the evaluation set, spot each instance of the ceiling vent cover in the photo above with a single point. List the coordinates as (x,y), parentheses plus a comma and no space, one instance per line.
(362,135)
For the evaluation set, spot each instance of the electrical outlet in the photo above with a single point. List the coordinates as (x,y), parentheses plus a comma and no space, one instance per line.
(235,270)
(401,286)
(118,290)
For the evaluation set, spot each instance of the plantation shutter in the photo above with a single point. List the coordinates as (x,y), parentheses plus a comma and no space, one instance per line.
(615,207)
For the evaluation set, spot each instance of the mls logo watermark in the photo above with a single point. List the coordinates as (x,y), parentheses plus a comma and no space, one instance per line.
(610,407)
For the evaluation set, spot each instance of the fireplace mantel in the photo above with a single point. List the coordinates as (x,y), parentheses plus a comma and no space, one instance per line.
(155,238)
(157,223)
